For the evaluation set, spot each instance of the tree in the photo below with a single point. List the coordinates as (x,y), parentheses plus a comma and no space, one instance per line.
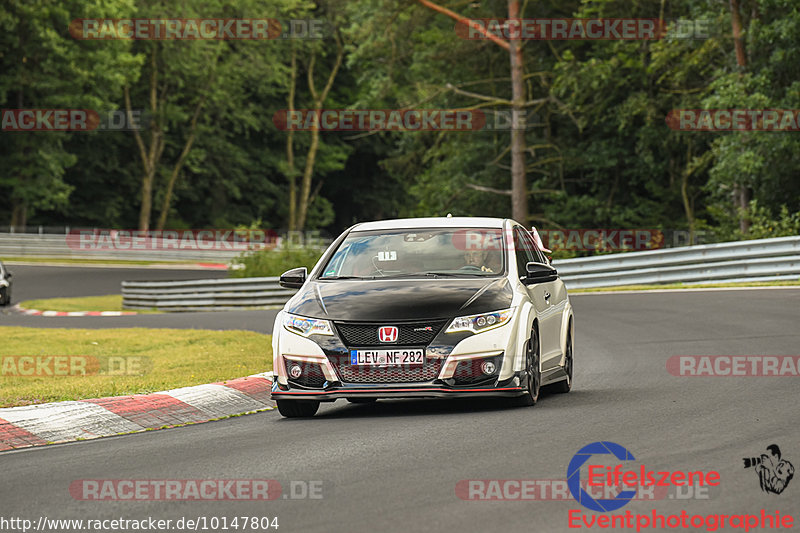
(45,68)
(519,190)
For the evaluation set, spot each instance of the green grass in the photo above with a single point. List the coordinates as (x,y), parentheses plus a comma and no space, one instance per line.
(169,358)
(686,286)
(111,302)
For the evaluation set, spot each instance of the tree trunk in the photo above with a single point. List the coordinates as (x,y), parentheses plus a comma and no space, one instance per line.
(743,199)
(741,193)
(519,193)
(687,204)
(19,210)
(305,184)
(291,170)
(19,215)
(319,100)
(147,201)
(736,23)
(162,219)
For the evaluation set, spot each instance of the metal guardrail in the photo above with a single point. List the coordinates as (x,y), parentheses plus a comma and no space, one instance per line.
(759,260)
(205,294)
(65,246)
(57,246)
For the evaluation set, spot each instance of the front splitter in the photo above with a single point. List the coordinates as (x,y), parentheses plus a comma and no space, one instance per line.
(396,392)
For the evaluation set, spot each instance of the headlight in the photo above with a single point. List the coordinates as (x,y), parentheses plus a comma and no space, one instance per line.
(306,326)
(480,323)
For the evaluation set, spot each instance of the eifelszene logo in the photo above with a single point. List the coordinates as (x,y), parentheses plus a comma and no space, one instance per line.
(774,473)
(623,481)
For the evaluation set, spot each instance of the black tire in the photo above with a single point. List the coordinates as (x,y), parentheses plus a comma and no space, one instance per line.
(533,373)
(362,400)
(563,387)
(5,295)
(298,408)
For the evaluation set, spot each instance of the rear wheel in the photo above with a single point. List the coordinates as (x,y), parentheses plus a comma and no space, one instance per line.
(5,295)
(361,400)
(298,408)
(533,374)
(566,385)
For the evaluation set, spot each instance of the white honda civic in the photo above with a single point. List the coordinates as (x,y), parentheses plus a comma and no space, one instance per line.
(424,308)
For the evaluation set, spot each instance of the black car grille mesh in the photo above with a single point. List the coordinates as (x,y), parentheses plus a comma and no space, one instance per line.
(409,334)
(389,374)
(311,375)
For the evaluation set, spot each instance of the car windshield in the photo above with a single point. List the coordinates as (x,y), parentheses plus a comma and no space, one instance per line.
(432,252)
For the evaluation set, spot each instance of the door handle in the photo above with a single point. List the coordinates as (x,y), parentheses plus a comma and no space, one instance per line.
(546,296)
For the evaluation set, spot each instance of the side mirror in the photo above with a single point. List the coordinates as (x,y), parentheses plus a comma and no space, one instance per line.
(294,278)
(8,274)
(540,273)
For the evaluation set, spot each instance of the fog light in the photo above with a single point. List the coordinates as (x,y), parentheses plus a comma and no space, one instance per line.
(488,367)
(295,371)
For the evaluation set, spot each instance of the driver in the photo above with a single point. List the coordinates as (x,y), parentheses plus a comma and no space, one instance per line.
(477,259)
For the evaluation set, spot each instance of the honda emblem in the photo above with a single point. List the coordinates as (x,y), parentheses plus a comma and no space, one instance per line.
(387,334)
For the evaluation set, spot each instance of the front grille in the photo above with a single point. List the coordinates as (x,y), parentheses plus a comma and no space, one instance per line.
(389,374)
(312,375)
(367,334)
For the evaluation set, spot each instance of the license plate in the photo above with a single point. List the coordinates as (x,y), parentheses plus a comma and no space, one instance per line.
(408,356)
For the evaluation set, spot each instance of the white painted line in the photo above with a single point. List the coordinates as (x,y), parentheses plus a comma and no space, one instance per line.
(61,421)
(36,312)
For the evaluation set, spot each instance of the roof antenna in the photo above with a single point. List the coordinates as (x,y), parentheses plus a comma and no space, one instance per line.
(449,215)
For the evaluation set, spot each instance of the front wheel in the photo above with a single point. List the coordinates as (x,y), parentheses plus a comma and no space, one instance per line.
(298,408)
(533,373)
(5,295)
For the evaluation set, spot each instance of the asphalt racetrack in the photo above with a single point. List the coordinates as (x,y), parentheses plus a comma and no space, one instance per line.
(396,465)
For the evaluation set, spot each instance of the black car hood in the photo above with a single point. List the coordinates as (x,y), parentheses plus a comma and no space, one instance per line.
(400,299)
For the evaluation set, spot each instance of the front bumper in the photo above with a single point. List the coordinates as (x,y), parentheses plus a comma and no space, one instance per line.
(451,369)
(435,389)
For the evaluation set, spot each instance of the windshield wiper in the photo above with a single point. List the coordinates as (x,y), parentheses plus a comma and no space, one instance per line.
(454,274)
(346,277)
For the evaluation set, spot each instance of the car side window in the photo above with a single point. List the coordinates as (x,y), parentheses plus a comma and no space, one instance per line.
(524,251)
(538,255)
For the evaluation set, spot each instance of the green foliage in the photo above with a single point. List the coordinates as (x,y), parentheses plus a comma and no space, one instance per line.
(43,67)
(266,263)
(765,223)
(599,151)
